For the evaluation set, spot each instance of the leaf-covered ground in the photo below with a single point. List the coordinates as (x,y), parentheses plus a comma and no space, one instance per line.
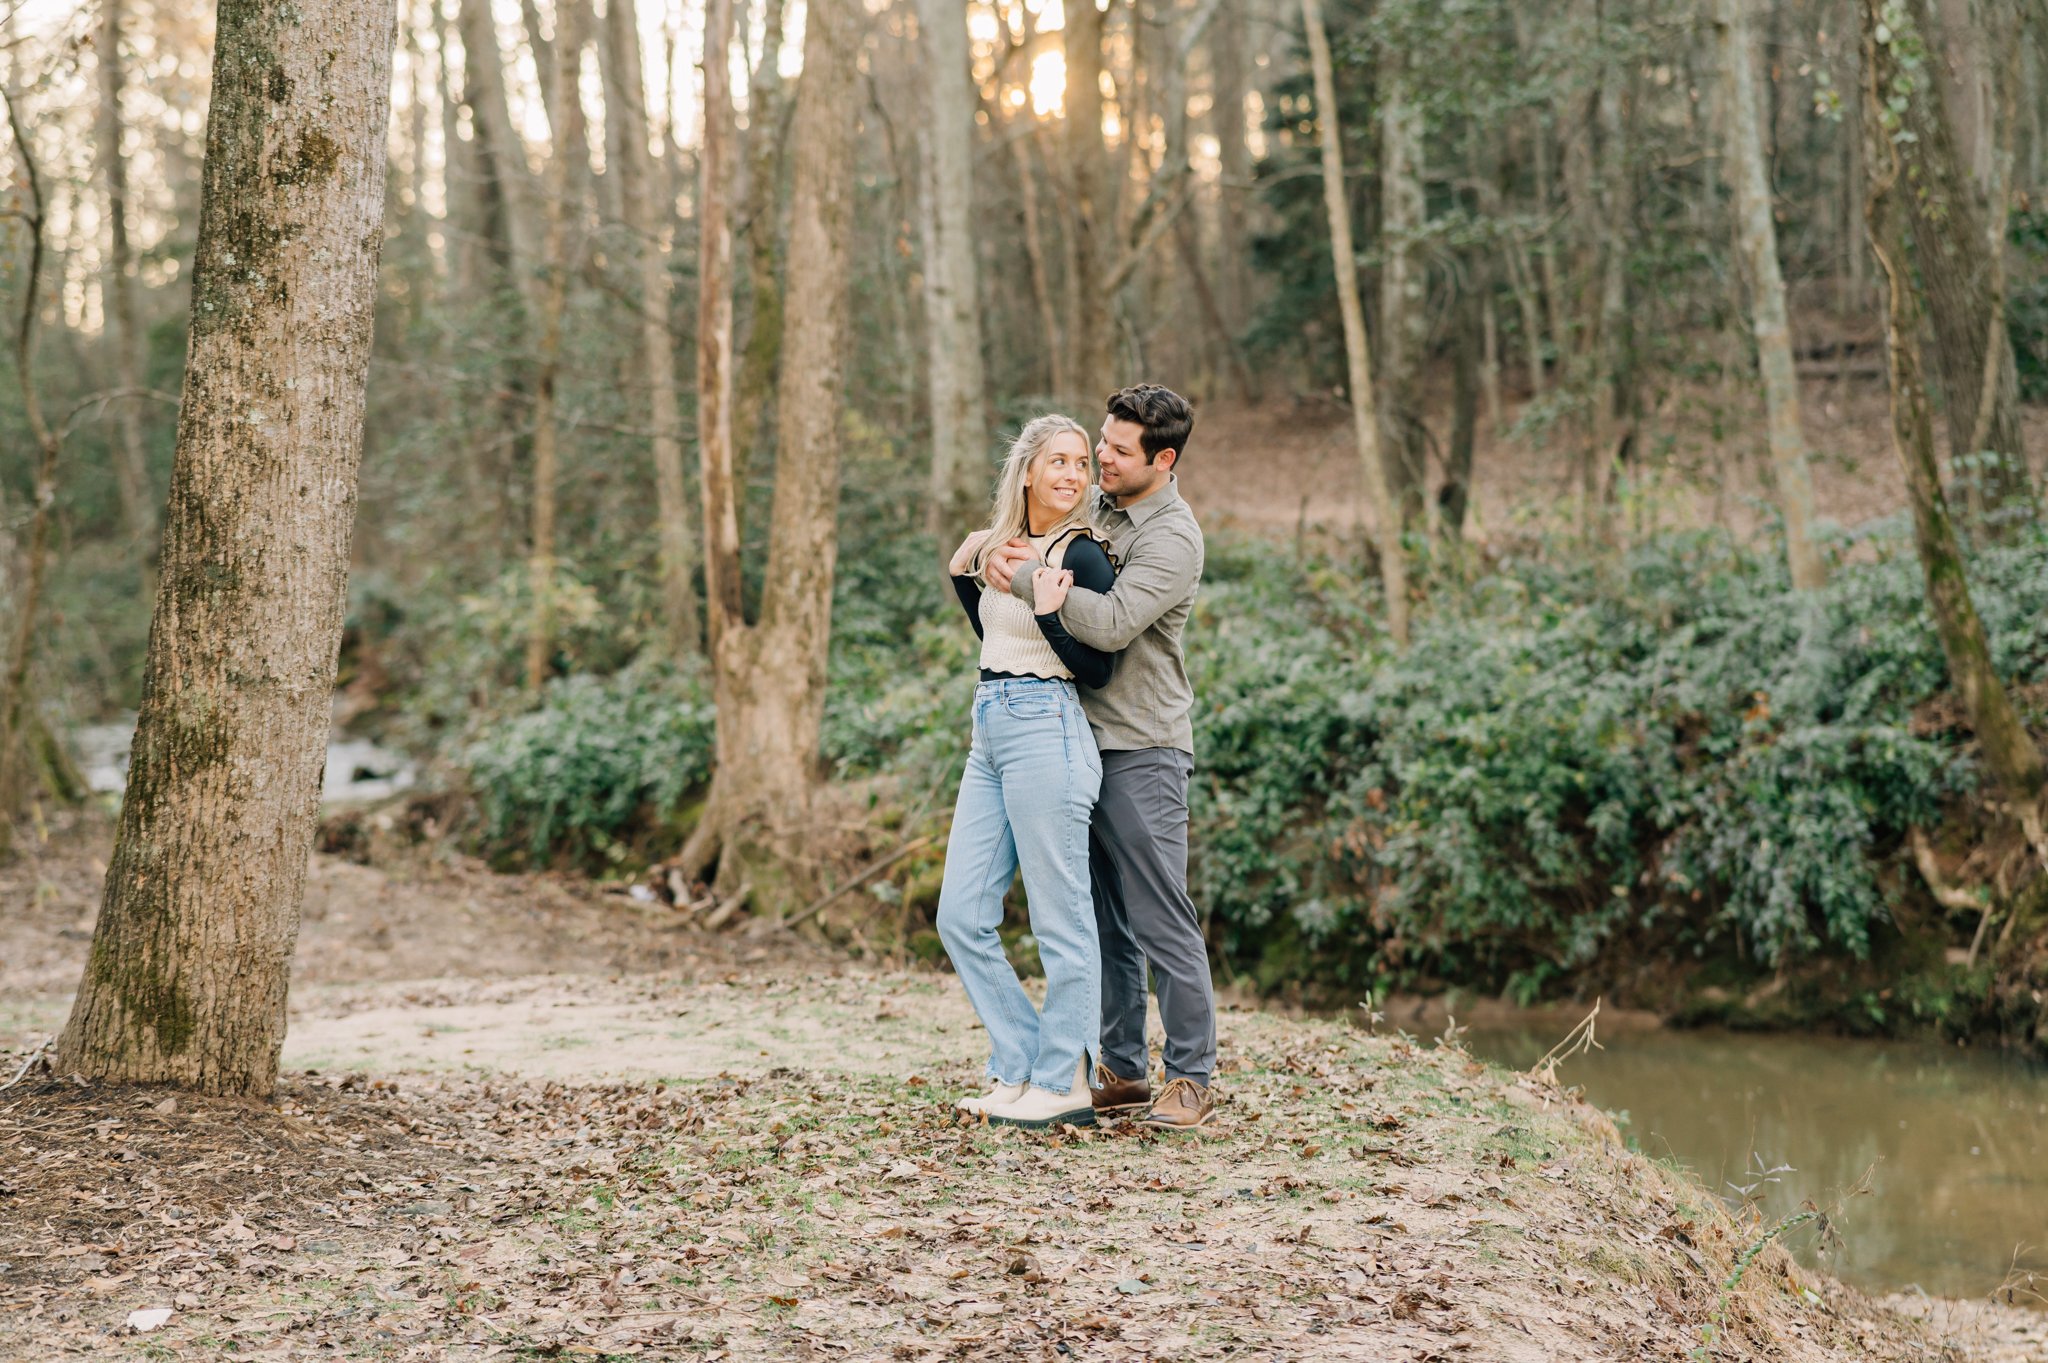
(1365,1198)
(752,1156)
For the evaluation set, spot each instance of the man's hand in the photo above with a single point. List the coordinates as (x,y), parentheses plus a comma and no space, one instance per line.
(1005,559)
(963,557)
(1049,587)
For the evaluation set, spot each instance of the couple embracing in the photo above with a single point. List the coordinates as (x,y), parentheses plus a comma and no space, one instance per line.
(1078,773)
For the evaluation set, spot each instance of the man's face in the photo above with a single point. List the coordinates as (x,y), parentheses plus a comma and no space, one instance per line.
(1125,472)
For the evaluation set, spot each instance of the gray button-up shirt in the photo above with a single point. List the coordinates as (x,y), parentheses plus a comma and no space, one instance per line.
(1158,549)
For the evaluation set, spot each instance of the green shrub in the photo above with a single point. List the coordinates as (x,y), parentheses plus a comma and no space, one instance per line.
(601,761)
(1567,762)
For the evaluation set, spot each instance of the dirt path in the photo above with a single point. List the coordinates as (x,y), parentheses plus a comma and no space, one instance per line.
(735,1158)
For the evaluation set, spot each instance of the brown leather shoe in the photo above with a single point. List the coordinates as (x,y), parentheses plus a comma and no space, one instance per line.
(1116,1096)
(1183,1105)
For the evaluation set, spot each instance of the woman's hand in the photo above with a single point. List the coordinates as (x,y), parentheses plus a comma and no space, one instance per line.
(963,557)
(1049,589)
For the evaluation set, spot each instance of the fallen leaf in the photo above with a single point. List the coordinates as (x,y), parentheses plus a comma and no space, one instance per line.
(142,1322)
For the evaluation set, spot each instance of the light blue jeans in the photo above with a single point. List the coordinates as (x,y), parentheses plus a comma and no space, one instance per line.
(1032,777)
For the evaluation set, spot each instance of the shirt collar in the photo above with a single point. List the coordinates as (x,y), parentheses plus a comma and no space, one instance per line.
(1143,511)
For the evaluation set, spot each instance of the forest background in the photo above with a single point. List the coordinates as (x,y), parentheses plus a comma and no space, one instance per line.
(1603,644)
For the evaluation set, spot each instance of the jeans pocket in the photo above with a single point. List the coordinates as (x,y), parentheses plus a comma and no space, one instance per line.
(1032,707)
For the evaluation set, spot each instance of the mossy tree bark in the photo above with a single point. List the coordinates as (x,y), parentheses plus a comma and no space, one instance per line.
(1757,235)
(1357,352)
(952,302)
(191,957)
(1895,74)
(769,675)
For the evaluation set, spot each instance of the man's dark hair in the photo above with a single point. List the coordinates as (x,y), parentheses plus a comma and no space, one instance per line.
(1163,413)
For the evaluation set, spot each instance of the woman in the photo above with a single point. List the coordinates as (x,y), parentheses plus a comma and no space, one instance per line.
(1031,781)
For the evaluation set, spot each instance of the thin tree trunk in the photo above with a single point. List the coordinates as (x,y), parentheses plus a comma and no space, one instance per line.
(1466,365)
(1758,235)
(124,331)
(1053,337)
(1364,420)
(191,957)
(1228,37)
(1404,286)
(722,589)
(504,183)
(1947,218)
(569,141)
(760,329)
(2015,762)
(17,715)
(952,305)
(636,172)
(769,677)
(1091,325)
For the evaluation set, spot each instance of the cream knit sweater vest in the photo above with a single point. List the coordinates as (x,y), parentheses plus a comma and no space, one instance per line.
(1010,638)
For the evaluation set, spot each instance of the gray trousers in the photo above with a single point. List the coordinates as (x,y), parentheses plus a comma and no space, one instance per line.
(1138,867)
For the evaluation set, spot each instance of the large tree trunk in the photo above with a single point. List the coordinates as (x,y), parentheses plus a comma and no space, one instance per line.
(637,175)
(2016,764)
(1404,290)
(192,954)
(1947,216)
(1358,356)
(952,305)
(1091,219)
(569,143)
(769,677)
(124,331)
(1758,236)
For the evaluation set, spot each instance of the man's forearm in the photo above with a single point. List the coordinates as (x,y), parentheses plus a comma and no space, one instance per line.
(1094,619)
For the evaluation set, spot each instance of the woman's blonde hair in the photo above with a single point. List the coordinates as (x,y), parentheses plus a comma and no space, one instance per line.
(1010,515)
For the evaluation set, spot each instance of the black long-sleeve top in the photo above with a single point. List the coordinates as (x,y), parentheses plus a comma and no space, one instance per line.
(1090,565)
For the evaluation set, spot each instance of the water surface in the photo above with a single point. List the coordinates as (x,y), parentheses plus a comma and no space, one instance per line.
(1956,1140)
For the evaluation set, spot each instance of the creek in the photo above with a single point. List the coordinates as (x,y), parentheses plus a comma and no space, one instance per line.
(1955,1141)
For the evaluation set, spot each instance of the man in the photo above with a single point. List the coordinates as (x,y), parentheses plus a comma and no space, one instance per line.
(1138,841)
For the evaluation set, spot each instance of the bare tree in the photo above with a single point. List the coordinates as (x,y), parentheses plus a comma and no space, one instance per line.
(1358,356)
(1895,74)
(952,303)
(1947,216)
(1404,288)
(30,759)
(759,226)
(192,953)
(1757,233)
(769,674)
(124,332)
(1091,202)
(569,142)
(626,110)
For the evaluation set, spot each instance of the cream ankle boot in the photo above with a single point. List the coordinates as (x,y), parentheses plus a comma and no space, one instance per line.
(975,1105)
(1037,1108)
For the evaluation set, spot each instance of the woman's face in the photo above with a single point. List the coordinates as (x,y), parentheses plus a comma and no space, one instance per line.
(1059,475)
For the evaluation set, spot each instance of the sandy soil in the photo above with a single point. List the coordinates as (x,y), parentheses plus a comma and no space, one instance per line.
(546,1124)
